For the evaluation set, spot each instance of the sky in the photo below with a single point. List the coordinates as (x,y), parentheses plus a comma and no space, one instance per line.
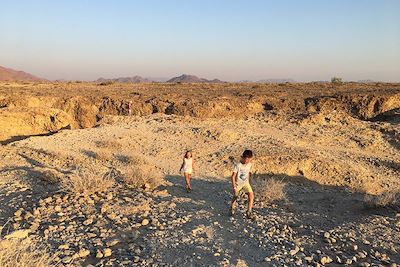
(306,40)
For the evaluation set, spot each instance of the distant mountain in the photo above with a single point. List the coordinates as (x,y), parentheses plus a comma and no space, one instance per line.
(134,79)
(158,79)
(215,81)
(277,81)
(7,74)
(186,78)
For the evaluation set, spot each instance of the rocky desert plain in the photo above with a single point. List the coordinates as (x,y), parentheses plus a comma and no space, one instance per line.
(89,174)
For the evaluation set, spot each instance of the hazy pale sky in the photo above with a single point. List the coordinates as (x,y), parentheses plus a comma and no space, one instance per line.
(226,39)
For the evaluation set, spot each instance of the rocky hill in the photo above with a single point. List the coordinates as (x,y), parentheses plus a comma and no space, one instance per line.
(7,74)
(186,78)
(133,79)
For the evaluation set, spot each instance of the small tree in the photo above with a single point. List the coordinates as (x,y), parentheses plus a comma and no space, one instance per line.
(337,80)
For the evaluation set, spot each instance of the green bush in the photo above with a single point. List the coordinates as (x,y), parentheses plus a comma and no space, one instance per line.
(336,80)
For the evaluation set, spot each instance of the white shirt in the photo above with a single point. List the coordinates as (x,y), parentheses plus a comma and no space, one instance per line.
(187,164)
(243,172)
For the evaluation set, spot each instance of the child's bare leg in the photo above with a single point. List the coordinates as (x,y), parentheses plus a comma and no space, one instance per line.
(250,201)
(233,201)
(187,179)
(233,204)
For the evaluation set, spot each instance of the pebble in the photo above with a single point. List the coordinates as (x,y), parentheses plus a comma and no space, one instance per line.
(349,261)
(112,216)
(67,259)
(309,259)
(112,243)
(99,254)
(325,260)
(361,255)
(339,260)
(64,246)
(84,253)
(36,212)
(107,252)
(57,208)
(88,221)
(294,251)
(18,213)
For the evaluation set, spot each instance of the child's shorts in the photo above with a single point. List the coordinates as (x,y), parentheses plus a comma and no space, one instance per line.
(244,188)
(188,171)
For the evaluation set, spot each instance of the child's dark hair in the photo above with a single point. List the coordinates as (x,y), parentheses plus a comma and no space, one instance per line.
(247,154)
(186,153)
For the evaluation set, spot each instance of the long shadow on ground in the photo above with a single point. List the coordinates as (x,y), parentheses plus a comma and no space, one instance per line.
(309,206)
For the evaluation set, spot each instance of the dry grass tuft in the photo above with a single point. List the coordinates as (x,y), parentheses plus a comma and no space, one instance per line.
(110,144)
(87,182)
(104,155)
(365,185)
(142,174)
(124,159)
(269,189)
(22,253)
(385,199)
(131,159)
(50,176)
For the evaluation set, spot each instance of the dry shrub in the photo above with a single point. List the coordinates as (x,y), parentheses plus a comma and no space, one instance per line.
(104,155)
(50,176)
(22,253)
(142,174)
(87,182)
(366,186)
(131,159)
(106,83)
(268,189)
(373,187)
(385,199)
(125,159)
(111,144)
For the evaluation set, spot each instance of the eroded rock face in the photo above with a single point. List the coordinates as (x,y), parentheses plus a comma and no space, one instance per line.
(364,107)
(85,104)
(17,123)
(82,111)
